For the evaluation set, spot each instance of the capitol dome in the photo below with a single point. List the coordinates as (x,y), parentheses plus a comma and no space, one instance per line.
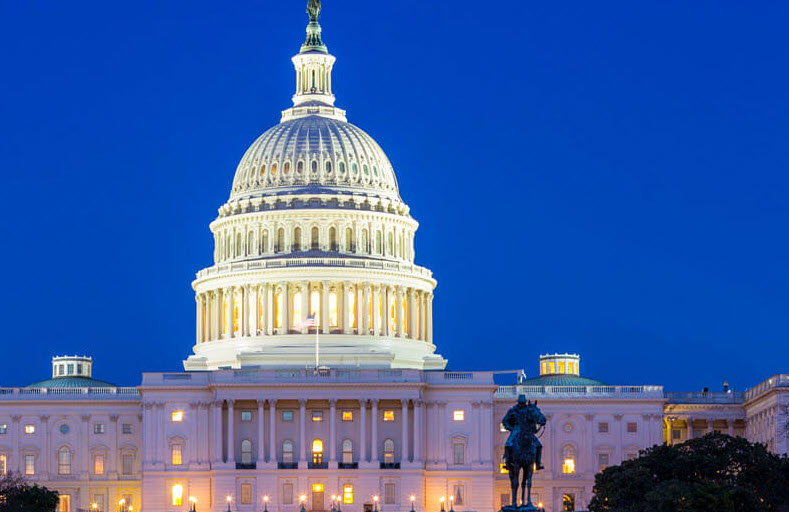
(314,249)
(315,153)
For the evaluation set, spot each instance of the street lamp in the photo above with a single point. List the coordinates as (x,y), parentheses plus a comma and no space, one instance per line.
(442,500)
(193,504)
(229,499)
(265,503)
(375,502)
(121,503)
(333,498)
(452,503)
(302,501)
(94,506)
(413,499)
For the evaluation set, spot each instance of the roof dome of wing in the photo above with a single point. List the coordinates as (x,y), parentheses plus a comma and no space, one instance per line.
(561,380)
(313,154)
(71,382)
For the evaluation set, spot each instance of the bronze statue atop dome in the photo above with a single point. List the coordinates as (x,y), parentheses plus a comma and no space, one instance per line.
(314,9)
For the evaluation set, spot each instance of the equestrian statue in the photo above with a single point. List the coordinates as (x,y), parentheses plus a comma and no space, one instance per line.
(523,450)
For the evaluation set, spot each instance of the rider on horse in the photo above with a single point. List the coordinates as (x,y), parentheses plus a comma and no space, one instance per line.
(518,421)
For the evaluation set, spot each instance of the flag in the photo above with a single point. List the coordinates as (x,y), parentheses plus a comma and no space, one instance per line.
(310,321)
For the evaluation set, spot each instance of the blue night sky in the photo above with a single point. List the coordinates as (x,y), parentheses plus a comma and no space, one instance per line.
(607,178)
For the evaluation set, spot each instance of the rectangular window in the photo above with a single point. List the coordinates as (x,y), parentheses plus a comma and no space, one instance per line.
(127,428)
(602,461)
(30,465)
(246,494)
(317,416)
(632,427)
(459,415)
(71,369)
(347,494)
(287,415)
(568,502)
(98,463)
(64,503)
(287,494)
(459,492)
(127,464)
(30,428)
(459,453)
(676,434)
(347,415)
(98,428)
(177,495)
(3,464)
(246,415)
(568,468)
(176,455)
(389,415)
(390,493)
(3,429)
(177,416)
(602,427)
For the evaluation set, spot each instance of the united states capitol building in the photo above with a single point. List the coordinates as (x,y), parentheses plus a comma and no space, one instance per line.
(315,379)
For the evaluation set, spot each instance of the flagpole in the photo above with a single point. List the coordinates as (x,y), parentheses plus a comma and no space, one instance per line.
(317,345)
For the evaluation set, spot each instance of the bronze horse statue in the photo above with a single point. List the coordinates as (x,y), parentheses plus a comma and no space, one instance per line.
(523,450)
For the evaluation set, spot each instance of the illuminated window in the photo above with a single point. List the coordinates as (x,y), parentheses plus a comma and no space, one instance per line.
(278,310)
(459,415)
(632,427)
(236,312)
(286,168)
(246,494)
(317,416)
(603,460)
(568,502)
(347,415)
(389,415)
(64,503)
(30,428)
(333,316)
(389,451)
(315,306)
(287,451)
(98,463)
(370,322)
(392,315)
(287,415)
(287,493)
(176,455)
(246,451)
(64,461)
(246,415)
(568,467)
(347,451)
(317,451)
(177,495)
(3,464)
(3,428)
(296,308)
(347,494)
(273,169)
(98,428)
(30,465)
(352,307)
(551,367)
(602,427)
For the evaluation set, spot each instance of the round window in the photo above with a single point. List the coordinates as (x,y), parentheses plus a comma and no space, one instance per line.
(64,429)
(568,427)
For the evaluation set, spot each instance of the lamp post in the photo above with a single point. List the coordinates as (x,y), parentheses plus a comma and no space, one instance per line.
(375,503)
(229,499)
(94,506)
(121,503)
(302,501)
(413,499)
(452,503)
(192,504)
(442,500)
(333,497)
(265,503)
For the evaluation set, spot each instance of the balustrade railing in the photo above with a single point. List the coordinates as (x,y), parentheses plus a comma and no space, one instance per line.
(240,266)
(103,393)
(624,392)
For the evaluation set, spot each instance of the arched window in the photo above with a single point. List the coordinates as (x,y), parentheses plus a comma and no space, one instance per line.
(296,309)
(246,451)
(378,243)
(317,452)
(365,241)
(389,245)
(347,451)
(286,168)
(348,240)
(250,243)
(315,307)
(264,242)
(273,169)
(328,167)
(263,169)
(297,239)
(315,239)
(228,246)
(389,451)
(280,240)
(333,316)
(64,461)
(342,167)
(314,167)
(287,451)
(278,310)
(332,239)
(354,169)
(569,459)
(300,167)
(239,246)
(178,495)
(365,170)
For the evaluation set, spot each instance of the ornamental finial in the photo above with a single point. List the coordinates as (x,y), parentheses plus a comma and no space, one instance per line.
(314,9)
(314,43)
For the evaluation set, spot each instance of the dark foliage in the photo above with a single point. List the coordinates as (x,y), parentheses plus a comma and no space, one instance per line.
(715,473)
(17,495)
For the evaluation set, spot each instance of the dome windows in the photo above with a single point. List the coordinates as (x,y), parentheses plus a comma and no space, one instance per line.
(300,167)
(365,170)
(342,168)
(274,169)
(314,167)
(328,167)
(263,170)
(286,168)
(354,169)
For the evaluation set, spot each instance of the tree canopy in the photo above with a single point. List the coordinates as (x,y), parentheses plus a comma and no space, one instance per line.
(715,473)
(17,495)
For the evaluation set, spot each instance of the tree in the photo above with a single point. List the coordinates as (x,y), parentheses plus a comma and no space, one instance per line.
(17,495)
(715,473)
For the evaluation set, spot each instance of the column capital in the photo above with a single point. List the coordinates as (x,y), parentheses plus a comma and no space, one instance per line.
(85,417)
(374,402)
(272,402)
(302,402)
(261,402)
(44,417)
(219,403)
(333,402)
(114,418)
(404,401)
(16,417)
(618,417)
(418,402)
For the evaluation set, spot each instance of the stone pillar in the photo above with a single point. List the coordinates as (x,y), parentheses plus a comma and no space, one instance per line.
(272,431)
(404,419)
(730,425)
(261,432)
(412,315)
(305,305)
(85,446)
(332,433)
(254,310)
(217,314)
(244,316)
(286,306)
(231,306)
(418,457)
(362,431)
(217,413)
(477,418)
(398,320)
(325,307)
(364,326)
(231,444)
(268,309)
(690,427)
(199,314)
(430,318)
(442,428)
(346,309)
(46,455)
(386,312)
(302,434)
(374,432)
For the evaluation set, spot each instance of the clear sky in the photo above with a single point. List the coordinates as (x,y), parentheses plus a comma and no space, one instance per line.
(607,178)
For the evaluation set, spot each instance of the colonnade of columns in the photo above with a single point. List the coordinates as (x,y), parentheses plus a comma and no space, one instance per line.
(763,426)
(268,448)
(673,423)
(338,308)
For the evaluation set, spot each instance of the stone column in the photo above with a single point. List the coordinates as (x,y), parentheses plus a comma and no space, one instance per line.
(302,434)
(268,309)
(374,431)
(412,314)
(272,431)
(244,316)
(418,457)
(286,306)
(199,315)
(217,314)
(253,300)
(231,444)
(404,419)
(346,303)
(217,413)
(386,312)
(85,446)
(364,325)
(476,417)
(261,432)
(398,303)
(430,318)
(362,431)
(730,425)
(325,307)
(231,306)
(47,454)
(332,433)
(305,305)
(690,427)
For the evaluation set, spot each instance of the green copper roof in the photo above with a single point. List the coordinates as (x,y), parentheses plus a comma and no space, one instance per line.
(561,380)
(71,382)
